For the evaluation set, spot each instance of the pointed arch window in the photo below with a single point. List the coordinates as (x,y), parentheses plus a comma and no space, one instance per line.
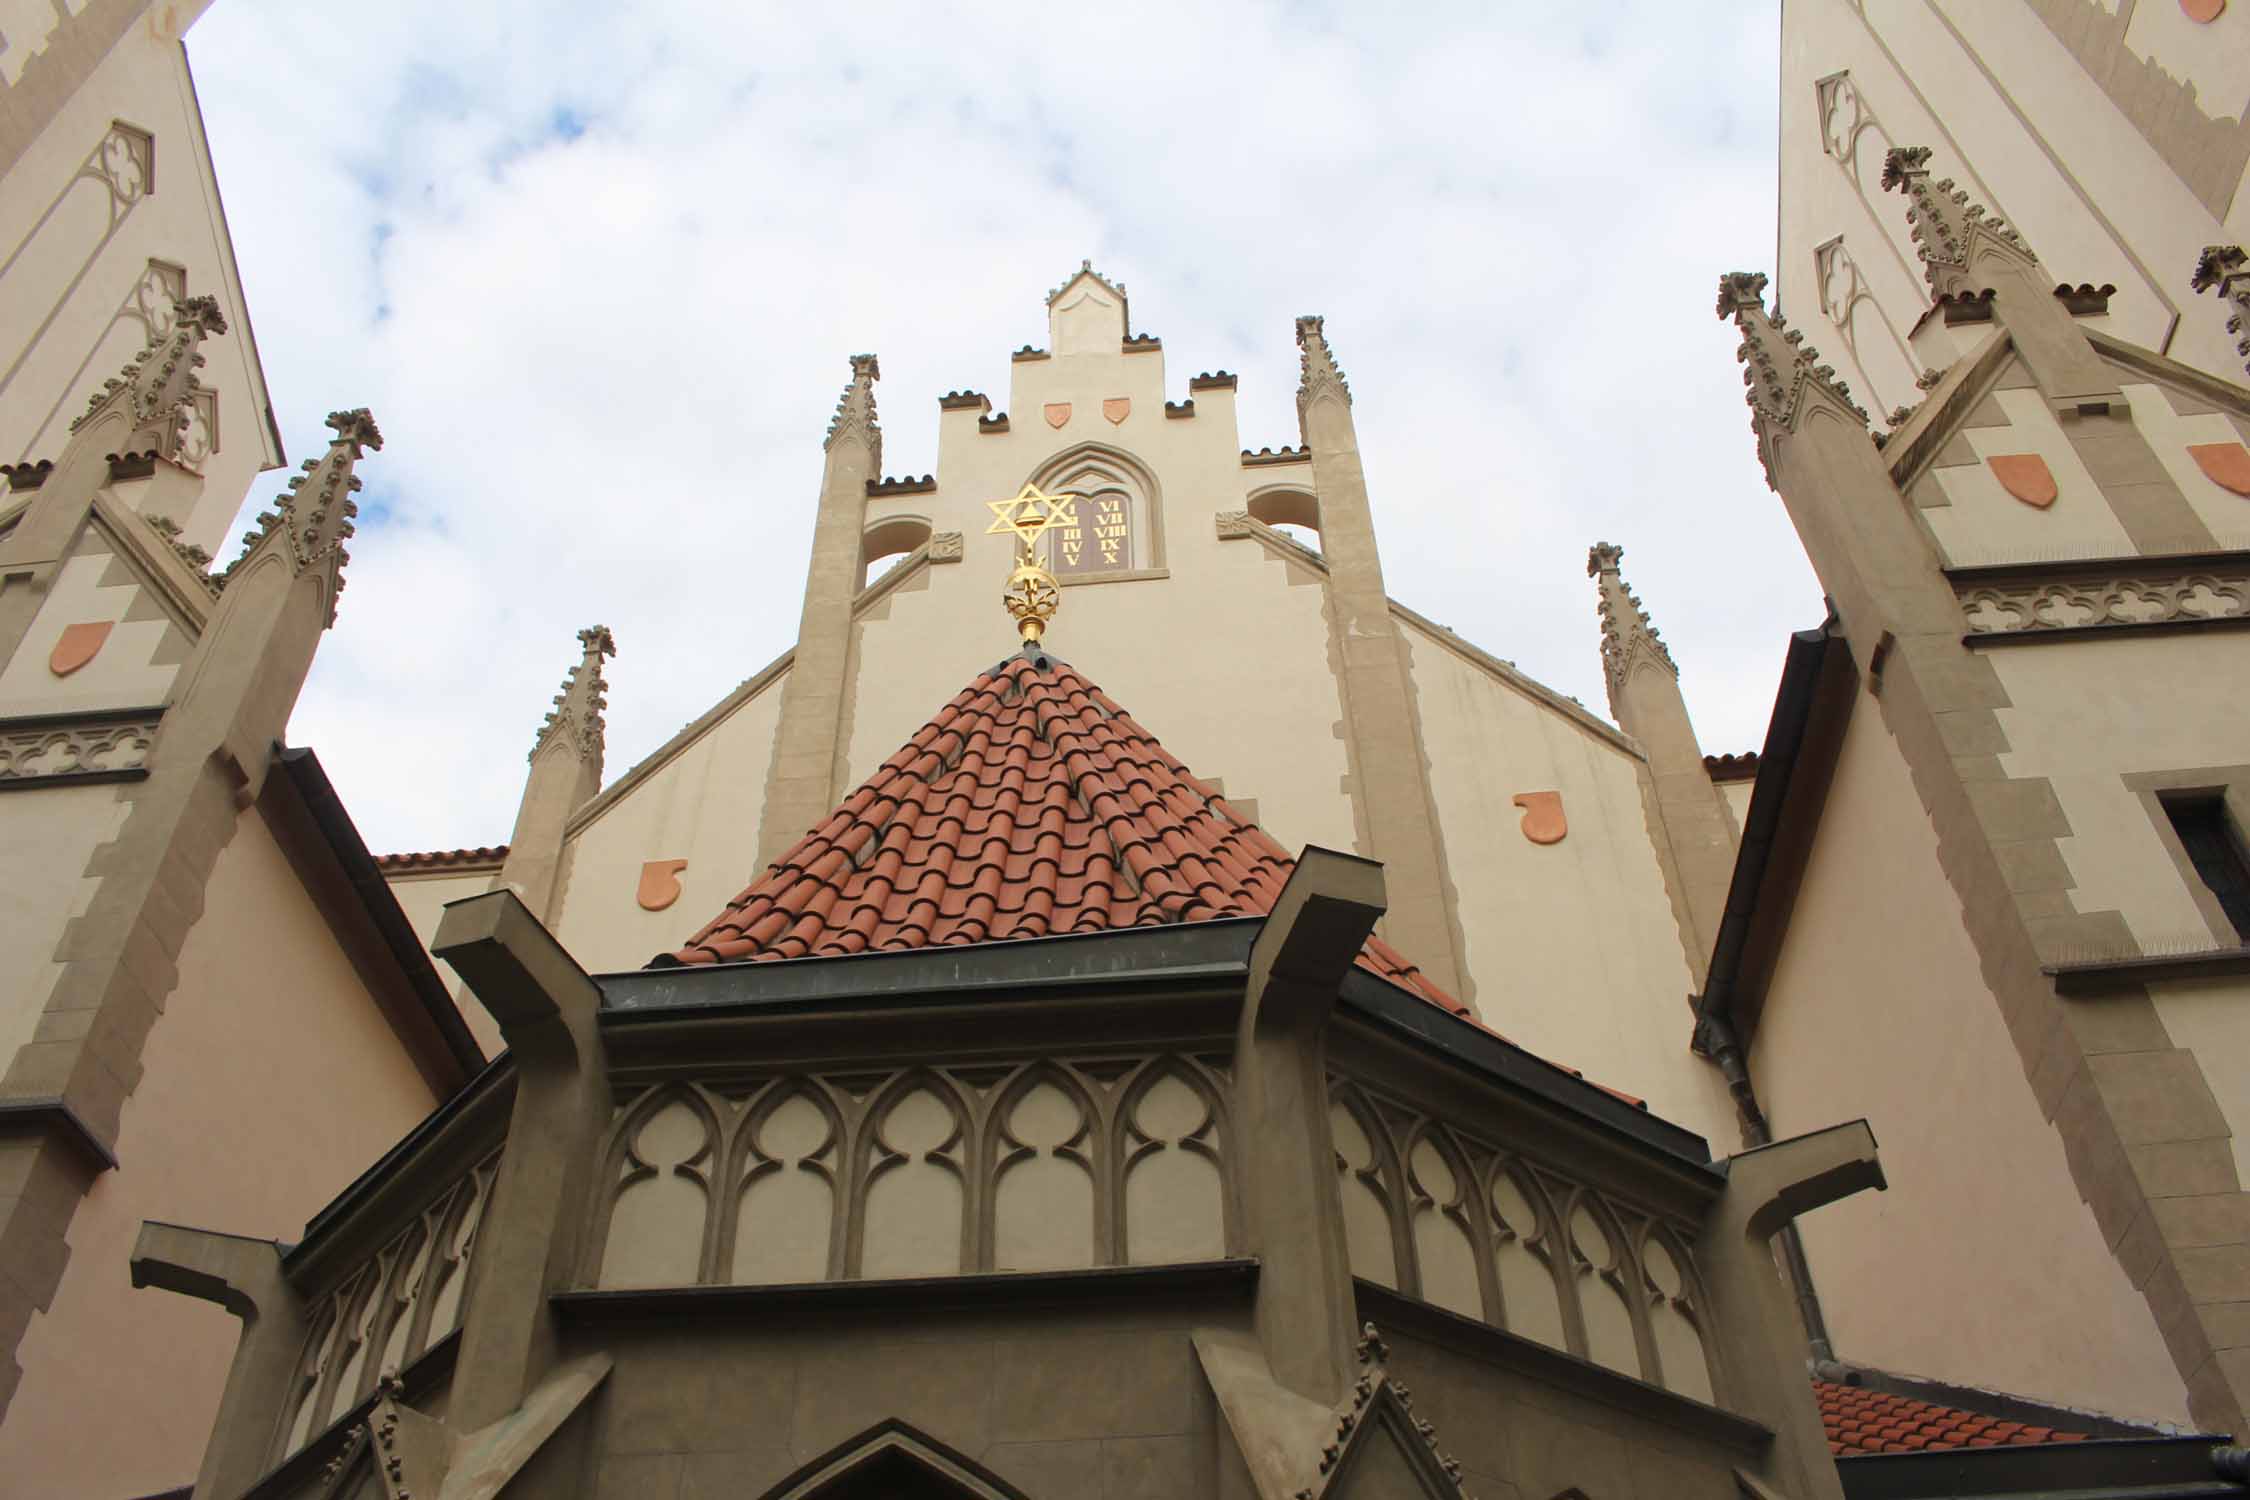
(1120,529)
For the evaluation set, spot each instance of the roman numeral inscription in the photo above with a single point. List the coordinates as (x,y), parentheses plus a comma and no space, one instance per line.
(1098,540)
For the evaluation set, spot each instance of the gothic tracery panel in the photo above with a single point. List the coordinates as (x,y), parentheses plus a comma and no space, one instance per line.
(916,1193)
(1364,1189)
(1442,1200)
(1043,1177)
(785,1214)
(1174,1206)
(656,1230)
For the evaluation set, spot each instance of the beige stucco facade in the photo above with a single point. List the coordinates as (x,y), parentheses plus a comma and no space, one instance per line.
(310,1042)
(1878,1008)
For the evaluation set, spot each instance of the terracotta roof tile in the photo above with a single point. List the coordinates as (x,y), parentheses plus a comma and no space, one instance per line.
(1031,805)
(442,859)
(1860,1421)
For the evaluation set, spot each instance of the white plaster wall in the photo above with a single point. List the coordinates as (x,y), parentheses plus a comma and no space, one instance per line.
(1979,1265)
(62,309)
(702,805)
(120,675)
(270,1052)
(1574,945)
(2013,116)
(1986,524)
(52,831)
(2087,716)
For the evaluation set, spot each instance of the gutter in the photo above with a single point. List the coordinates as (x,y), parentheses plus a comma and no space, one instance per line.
(337,830)
(1716,1035)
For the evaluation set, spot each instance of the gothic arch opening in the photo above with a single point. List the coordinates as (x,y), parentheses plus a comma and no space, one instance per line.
(894,536)
(1293,513)
(893,1461)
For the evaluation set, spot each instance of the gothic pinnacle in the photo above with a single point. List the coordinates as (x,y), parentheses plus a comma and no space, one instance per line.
(1946,226)
(158,385)
(576,718)
(1318,374)
(314,519)
(855,411)
(1626,627)
(1779,367)
(2225,269)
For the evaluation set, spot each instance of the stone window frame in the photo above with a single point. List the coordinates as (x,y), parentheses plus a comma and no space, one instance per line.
(2231,784)
(1136,480)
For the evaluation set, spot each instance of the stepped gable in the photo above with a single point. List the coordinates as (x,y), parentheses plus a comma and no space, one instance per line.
(1031,806)
(1859,1420)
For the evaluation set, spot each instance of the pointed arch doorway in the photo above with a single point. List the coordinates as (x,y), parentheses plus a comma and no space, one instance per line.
(893,1461)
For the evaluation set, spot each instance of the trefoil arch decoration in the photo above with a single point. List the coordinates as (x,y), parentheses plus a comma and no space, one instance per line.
(1048,1208)
(916,1201)
(1174,1199)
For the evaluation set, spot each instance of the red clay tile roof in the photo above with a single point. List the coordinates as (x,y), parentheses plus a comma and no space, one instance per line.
(443,859)
(1864,1421)
(1030,806)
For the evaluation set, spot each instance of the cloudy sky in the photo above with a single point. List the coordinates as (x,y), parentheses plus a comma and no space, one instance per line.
(597,268)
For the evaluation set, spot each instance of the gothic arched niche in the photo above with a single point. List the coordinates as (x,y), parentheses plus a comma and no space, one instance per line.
(1365,1185)
(916,1182)
(1175,1203)
(893,1461)
(785,1212)
(1111,484)
(658,1222)
(1442,1195)
(1043,1174)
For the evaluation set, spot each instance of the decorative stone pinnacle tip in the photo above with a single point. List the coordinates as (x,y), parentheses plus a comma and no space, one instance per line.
(866,367)
(356,427)
(596,638)
(2217,265)
(1603,557)
(1371,1348)
(203,312)
(1902,162)
(1739,291)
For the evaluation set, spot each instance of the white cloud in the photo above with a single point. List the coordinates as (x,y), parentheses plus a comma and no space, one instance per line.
(597,268)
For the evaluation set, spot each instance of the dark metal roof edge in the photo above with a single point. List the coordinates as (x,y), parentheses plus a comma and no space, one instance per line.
(1187,951)
(366,879)
(1500,1059)
(2150,1466)
(433,1124)
(1769,792)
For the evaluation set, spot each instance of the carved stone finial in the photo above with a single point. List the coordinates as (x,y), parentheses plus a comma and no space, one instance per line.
(157,390)
(2225,269)
(576,718)
(1371,1349)
(1628,635)
(855,411)
(1779,367)
(1319,375)
(314,520)
(1948,229)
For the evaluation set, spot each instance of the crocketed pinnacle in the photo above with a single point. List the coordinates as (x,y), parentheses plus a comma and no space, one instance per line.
(158,385)
(1779,367)
(314,519)
(1318,374)
(2226,270)
(855,411)
(576,719)
(1627,633)
(1949,231)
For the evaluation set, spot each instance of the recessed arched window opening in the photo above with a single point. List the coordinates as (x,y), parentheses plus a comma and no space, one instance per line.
(1120,527)
(1293,513)
(886,542)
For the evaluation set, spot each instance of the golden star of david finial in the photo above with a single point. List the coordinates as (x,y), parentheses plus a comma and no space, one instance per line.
(1029,513)
(1031,597)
